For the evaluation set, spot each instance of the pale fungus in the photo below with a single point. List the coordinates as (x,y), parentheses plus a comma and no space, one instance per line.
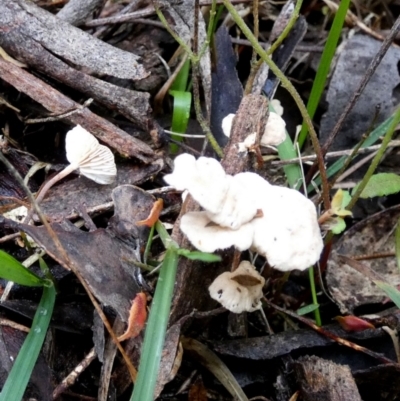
(239,291)
(86,155)
(246,212)
(274,133)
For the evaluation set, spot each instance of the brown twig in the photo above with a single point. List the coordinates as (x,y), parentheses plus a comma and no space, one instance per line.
(330,335)
(71,378)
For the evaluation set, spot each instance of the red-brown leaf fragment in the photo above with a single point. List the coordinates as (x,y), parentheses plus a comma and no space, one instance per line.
(353,323)
(154,214)
(137,317)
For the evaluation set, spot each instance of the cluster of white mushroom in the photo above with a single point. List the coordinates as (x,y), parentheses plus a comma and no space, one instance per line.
(246,212)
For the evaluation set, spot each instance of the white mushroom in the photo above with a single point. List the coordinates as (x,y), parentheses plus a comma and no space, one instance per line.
(279,223)
(85,154)
(229,201)
(288,234)
(227,124)
(194,176)
(243,201)
(208,236)
(277,106)
(275,132)
(239,291)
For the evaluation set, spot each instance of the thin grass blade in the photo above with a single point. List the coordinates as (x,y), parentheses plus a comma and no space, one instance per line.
(12,270)
(156,328)
(17,381)
(325,64)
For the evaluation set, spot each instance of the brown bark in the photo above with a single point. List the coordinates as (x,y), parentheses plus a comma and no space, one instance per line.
(322,380)
(69,55)
(57,103)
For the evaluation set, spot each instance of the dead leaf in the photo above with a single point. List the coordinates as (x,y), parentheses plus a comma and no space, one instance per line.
(105,258)
(137,317)
(154,214)
(350,68)
(353,323)
(375,234)
(197,391)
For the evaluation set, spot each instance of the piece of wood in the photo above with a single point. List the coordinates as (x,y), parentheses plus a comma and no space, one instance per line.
(251,117)
(58,103)
(322,380)
(51,46)
(77,11)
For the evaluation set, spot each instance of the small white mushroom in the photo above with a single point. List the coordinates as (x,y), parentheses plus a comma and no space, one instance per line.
(204,178)
(275,132)
(279,223)
(243,200)
(277,106)
(288,234)
(239,291)
(207,236)
(85,154)
(227,124)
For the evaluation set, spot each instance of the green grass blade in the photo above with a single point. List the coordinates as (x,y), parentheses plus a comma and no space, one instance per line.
(287,151)
(197,255)
(324,65)
(12,270)
(397,243)
(375,135)
(392,292)
(307,309)
(15,385)
(156,328)
(180,115)
(181,81)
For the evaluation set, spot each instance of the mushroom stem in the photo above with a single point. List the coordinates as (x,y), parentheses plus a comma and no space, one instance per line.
(67,170)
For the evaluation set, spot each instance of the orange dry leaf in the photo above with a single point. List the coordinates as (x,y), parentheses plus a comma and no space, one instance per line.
(137,317)
(154,214)
(353,323)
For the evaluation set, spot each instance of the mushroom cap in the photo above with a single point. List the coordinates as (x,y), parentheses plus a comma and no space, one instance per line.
(279,223)
(227,124)
(204,178)
(288,234)
(208,236)
(243,200)
(239,291)
(93,160)
(275,132)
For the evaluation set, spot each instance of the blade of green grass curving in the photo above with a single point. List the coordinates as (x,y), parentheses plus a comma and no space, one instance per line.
(375,135)
(156,329)
(287,151)
(17,381)
(325,64)
(397,243)
(182,104)
(392,292)
(12,270)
